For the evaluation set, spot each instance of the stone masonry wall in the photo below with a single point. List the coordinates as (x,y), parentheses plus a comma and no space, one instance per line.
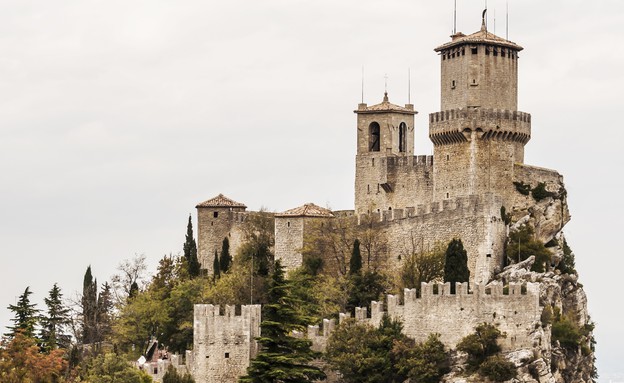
(476,220)
(479,80)
(223,344)
(211,230)
(454,316)
(289,241)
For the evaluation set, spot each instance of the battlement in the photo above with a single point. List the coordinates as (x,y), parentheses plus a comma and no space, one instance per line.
(514,308)
(457,125)
(459,206)
(481,114)
(400,161)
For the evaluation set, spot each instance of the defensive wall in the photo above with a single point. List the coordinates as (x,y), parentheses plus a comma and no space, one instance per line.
(514,309)
(476,220)
(223,342)
(393,182)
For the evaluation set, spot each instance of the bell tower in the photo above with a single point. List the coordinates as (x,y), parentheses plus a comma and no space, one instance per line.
(479,134)
(384,131)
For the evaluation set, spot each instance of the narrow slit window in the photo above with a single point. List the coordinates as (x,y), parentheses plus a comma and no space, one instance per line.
(403,137)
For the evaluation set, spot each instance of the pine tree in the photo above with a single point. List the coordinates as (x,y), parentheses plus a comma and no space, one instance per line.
(225,259)
(26,316)
(190,251)
(282,358)
(456,264)
(216,267)
(55,321)
(355,263)
(89,308)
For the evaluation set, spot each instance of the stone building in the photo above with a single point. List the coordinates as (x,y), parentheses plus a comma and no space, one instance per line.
(471,186)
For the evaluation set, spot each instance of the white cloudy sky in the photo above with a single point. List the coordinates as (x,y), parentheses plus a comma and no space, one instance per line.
(117,117)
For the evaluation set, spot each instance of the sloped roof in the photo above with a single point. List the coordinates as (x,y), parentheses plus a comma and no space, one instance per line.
(480,37)
(384,106)
(307,210)
(220,201)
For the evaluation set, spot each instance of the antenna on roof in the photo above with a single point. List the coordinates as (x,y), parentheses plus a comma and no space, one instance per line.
(409,86)
(386,83)
(362,84)
(495,20)
(455,19)
(507,23)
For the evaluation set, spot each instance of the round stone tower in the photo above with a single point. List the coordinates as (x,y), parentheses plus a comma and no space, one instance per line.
(479,134)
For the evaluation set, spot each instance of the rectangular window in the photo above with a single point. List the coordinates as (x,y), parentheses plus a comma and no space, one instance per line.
(474,50)
(227,355)
(215,214)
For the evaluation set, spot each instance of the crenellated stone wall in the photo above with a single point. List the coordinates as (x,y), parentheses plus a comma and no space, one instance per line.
(514,309)
(223,343)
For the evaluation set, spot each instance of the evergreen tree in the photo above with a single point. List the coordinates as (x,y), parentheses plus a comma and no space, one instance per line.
(225,259)
(456,264)
(89,308)
(355,263)
(282,358)
(55,321)
(26,316)
(104,312)
(173,376)
(216,267)
(190,251)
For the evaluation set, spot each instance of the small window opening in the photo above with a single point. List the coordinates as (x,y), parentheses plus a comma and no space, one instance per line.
(215,214)
(487,51)
(374,137)
(288,223)
(495,52)
(155,370)
(211,223)
(447,195)
(402,137)
(453,55)
(474,50)
(227,355)
(368,188)
(463,51)
(390,208)
(378,191)
(448,157)
(488,255)
(207,356)
(474,81)
(453,84)
(373,161)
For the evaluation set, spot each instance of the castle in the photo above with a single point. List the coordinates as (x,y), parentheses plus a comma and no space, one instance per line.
(469,189)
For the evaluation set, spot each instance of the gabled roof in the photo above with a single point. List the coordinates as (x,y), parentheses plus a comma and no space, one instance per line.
(480,37)
(385,106)
(307,210)
(221,201)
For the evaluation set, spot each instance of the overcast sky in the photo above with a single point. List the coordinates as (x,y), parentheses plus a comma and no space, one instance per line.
(118,117)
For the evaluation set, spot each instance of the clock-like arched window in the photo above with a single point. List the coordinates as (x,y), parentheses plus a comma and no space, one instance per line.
(374,137)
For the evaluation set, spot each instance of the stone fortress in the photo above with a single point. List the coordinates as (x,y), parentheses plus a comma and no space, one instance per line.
(462,191)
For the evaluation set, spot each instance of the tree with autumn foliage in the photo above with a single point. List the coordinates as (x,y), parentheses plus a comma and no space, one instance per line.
(22,362)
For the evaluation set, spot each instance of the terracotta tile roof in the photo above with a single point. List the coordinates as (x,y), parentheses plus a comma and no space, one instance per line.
(221,201)
(384,106)
(307,210)
(480,37)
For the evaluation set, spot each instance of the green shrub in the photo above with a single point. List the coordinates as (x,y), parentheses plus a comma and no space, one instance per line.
(522,245)
(480,345)
(498,369)
(539,192)
(522,188)
(567,264)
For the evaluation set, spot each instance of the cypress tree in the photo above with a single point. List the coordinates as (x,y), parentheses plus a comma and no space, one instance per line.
(89,308)
(282,357)
(104,312)
(190,251)
(26,316)
(54,322)
(216,267)
(456,264)
(226,259)
(355,263)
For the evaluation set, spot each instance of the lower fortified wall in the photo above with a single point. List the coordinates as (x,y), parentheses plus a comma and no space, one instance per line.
(514,309)
(223,343)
